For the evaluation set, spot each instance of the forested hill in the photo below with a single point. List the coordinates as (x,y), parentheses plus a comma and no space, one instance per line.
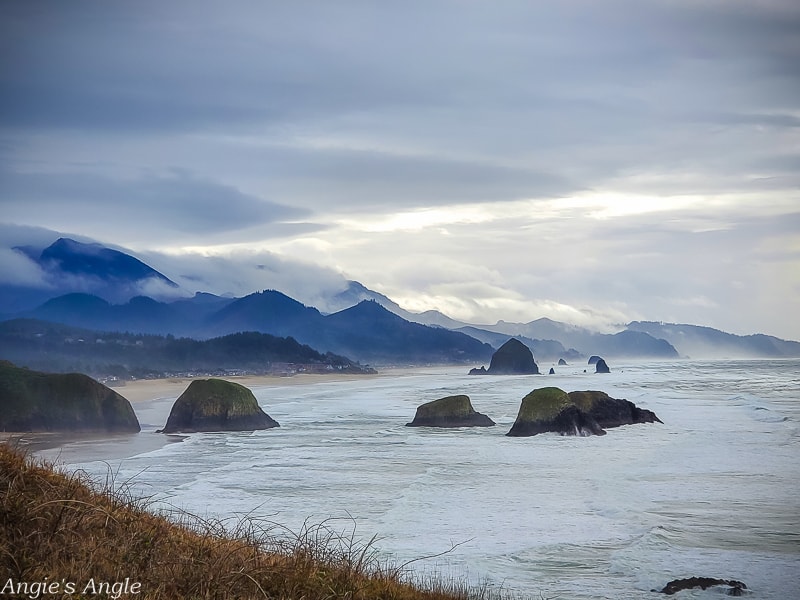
(60,348)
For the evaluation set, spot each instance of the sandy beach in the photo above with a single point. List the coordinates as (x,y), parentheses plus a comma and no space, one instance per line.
(143,390)
(147,395)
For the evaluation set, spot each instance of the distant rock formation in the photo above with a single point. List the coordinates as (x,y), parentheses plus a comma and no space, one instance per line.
(611,412)
(451,411)
(217,405)
(601,367)
(36,401)
(481,371)
(562,362)
(513,358)
(551,410)
(736,588)
(586,413)
(552,371)
(593,359)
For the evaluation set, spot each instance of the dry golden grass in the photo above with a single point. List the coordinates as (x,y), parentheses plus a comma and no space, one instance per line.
(65,528)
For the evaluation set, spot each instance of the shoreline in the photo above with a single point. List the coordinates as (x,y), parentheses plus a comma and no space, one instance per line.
(87,446)
(144,390)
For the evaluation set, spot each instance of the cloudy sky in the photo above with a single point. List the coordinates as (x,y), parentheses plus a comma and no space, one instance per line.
(595,162)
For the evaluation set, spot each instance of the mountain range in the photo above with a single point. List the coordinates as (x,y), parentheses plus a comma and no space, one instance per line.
(100,289)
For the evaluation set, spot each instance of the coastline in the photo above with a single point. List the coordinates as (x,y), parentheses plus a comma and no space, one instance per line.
(144,390)
(66,447)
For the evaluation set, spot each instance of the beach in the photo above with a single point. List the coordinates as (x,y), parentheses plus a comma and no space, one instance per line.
(151,400)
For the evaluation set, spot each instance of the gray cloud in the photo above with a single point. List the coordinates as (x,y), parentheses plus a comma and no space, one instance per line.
(282,124)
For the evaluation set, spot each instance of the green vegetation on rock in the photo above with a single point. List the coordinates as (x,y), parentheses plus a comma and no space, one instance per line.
(543,404)
(217,405)
(36,401)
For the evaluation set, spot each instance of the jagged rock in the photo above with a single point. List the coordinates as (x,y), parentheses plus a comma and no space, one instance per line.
(36,401)
(611,412)
(513,358)
(552,371)
(736,588)
(217,405)
(601,367)
(562,362)
(451,411)
(551,410)
(593,359)
(481,371)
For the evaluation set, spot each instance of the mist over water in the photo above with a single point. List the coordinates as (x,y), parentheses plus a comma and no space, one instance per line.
(711,492)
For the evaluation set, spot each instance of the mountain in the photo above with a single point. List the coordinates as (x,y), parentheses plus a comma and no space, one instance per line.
(542,349)
(98,262)
(633,344)
(698,342)
(68,266)
(368,330)
(269,311)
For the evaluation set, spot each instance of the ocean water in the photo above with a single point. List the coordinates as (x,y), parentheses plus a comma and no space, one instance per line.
(711,492)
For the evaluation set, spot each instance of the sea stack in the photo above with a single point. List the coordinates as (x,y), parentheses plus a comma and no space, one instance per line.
(36,401)
(551,410)
(601,367)
(513,358)
(217,405)
(450,411)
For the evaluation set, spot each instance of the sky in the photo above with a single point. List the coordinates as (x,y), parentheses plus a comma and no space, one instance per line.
(595,162)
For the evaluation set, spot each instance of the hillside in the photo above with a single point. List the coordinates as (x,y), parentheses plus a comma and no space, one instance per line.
(55,347)
(68,531)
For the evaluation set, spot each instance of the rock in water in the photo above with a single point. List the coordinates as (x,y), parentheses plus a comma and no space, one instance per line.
(513,358)
(551,410)
(593,359)
(601,367)
(552,371)
(562,362)
(476,371)
(451,411)
(35,401)
(611,412)
(676,585)
(217,405)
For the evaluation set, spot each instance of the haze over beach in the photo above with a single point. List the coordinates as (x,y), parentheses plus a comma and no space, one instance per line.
(595,163)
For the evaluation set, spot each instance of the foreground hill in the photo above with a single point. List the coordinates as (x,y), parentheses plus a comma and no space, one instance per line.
(65,530)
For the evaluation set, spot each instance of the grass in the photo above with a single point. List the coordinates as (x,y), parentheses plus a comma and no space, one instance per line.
(59,527)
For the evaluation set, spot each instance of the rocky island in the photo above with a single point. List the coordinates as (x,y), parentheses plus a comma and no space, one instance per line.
(450,411)
(512,358)
(36,401)
(551,409)
(217,405)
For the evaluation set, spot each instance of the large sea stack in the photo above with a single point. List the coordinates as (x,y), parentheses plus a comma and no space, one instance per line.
(36,401)
(551,410)
(513,358)
(217,405)
(451,411)
(601,367)
(611,412)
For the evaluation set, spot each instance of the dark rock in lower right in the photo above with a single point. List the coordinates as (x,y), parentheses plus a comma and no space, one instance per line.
(676,585)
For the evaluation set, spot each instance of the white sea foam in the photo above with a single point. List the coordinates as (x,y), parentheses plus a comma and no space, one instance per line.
(711,492)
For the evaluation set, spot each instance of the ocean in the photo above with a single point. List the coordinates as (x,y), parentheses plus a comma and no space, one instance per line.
(711,492)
